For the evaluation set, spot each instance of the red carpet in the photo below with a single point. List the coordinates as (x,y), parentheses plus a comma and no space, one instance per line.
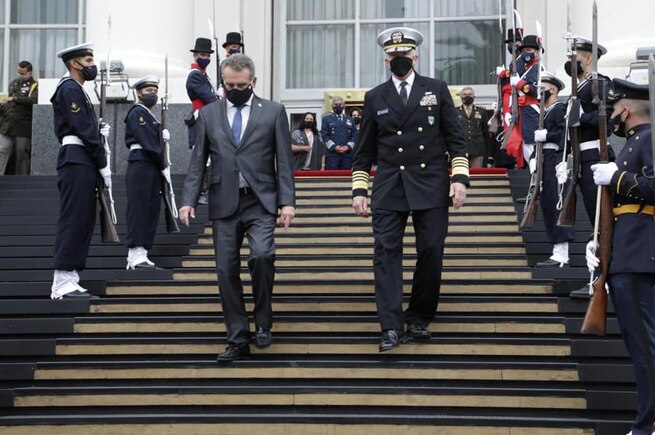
(348,173)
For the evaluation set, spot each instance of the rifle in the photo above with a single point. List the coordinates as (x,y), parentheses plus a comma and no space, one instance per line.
(596,316)
(212,31)
(651,91)
(536,180)
(567,215)
(170,207)
(515,94)
(107,211)
(496,119)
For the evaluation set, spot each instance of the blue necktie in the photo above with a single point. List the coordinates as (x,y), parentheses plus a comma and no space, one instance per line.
(236,125)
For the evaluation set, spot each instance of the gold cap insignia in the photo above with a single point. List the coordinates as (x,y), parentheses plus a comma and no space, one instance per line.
(397,37)
(75,107)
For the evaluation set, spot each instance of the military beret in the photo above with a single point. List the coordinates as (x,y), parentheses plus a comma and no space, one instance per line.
(399,39)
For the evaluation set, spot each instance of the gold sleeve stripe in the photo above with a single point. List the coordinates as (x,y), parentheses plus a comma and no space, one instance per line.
(360,180)
(461,171)
(460,160)
(618,184)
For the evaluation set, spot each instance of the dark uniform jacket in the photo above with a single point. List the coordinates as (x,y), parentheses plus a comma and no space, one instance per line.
(411,145)
(142,128)
(16,116)
(475,130)
(199,88)
(555,123)
(632,188)
(589,119)
(74,116)
(338,130)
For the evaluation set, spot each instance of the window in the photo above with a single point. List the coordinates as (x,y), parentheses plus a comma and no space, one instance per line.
(37,30)
(332,43)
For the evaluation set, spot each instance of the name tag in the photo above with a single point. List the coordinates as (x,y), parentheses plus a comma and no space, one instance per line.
(383,112)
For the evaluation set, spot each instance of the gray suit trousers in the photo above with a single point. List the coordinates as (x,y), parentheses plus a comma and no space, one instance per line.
(258,225)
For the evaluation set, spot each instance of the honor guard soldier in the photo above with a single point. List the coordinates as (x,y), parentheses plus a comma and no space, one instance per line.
(631,278)
(80,163)
(198,86)
(143,178)
(411,128)
(232,44)
(552,138)
(527,82)
(338,133)
(588,130)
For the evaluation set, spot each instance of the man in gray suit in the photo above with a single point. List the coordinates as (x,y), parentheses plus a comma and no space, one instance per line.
(248,141)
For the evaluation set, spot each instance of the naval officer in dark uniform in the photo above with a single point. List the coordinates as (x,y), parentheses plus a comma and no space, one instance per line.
(145,169)
(411,128)
(80,163)
(632,268)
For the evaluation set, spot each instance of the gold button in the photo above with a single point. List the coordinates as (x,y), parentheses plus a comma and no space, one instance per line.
(421,147)
(422,165)
(402,168)
(636,137)
(625,163)
(400,150)
(399,132)
(420,129)
(630,149)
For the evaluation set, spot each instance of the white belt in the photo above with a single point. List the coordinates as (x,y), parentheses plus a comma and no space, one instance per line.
(71,140)
(551,146)
(590,145)
(135,146)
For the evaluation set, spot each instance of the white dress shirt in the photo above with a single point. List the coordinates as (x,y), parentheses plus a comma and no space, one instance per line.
(408,86)
(245,116)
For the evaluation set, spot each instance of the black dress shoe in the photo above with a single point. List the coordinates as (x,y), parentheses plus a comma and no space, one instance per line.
(263,338)
(581,293)
(416,331)
(234,353)
(390,340)
(551,263)
(79,295)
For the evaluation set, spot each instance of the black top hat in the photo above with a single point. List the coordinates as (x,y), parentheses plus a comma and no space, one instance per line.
(233,38)
(628,90)
(532,41)
(203,45)
(512,32)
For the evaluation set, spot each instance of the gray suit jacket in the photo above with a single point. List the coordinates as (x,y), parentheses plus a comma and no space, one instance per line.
(263,157)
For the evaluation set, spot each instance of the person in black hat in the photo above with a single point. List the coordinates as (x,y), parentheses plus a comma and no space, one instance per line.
(631,278)
(552,138)
(200,90)
(143,178)
(233,44)
(81,164)
(587,130)
(411,129)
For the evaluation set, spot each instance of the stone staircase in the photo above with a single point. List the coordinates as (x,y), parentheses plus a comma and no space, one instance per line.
(505,357)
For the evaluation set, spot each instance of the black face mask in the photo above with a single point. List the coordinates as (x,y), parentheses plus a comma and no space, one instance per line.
(467,100)
(308,124)
(338,110)
(89,72)
(401,65)
(547,95)
(618,126)
(148,100)
(239,97)
(203,62)
(234,51)
(357,119)
(567,67)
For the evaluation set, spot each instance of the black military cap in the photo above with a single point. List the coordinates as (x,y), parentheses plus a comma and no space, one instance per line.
(512,32)
(233,38)
(203,45)
(147,82)
(532,41)
(628,90)
(76,51)
(548,77)
(583,44)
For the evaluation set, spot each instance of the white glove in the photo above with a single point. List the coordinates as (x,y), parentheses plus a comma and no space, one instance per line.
(590,256)
(532,164)
(603,173)
(106,176)
(166,135)
(560,172)
(540,135)
(166,172)
(104,130)
(513,80)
